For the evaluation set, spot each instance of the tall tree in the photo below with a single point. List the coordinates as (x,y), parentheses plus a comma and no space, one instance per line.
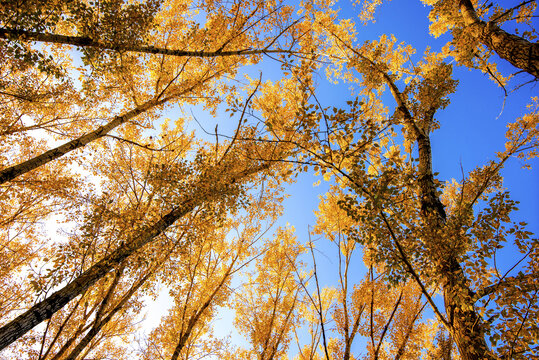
(207,268)
(409,228)
(477,32)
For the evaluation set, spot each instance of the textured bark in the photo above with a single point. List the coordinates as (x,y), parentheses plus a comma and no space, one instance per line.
(46,308)
(53,154)
(124,47)
(518,51)
(467,326)
(430,203)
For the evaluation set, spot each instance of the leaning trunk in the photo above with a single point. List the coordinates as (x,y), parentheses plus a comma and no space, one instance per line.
(46,308)
(84,42)
(53,154)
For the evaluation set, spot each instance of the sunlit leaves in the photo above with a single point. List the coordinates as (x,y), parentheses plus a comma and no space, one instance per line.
(266,308)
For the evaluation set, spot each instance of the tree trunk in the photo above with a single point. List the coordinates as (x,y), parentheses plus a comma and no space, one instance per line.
(81,42)
(46,308)
(467,329)
(53,154)
(465,324)
(518,51)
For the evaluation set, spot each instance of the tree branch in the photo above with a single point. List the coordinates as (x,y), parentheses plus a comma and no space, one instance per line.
(515,49)
(526,283)
(81,41)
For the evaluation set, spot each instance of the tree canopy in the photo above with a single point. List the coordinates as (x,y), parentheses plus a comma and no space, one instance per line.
(149,151)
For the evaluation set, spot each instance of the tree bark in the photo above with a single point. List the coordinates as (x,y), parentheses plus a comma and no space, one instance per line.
(518,51)
(53,154)
(467,325)
(46,308)
(81,42)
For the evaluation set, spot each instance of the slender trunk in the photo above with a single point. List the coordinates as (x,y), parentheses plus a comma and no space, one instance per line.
(79,41)
(99,313)
(53,154)
(350,338)
(46,308)
(347,347)
(518,51)
(83,328)
(386,326)
(194,319)
(101,322)
(62,326)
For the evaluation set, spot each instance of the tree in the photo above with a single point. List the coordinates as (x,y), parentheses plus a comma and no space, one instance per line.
(476,30)
(266,305)
(144,203)
(398,201)
(207,267)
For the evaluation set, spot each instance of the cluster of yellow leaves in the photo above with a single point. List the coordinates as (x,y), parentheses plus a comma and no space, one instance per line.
(523,135)
(368,9)
(331,218)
